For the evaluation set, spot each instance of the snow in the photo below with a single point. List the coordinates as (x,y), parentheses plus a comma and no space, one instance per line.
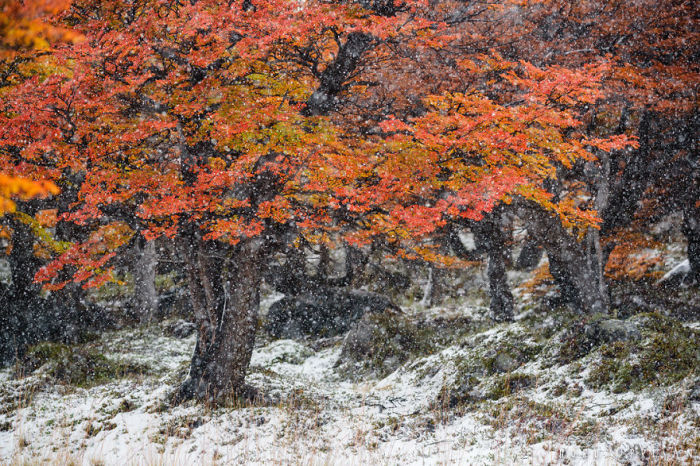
(316,416)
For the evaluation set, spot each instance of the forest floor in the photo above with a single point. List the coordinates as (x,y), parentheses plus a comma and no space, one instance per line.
(486,393)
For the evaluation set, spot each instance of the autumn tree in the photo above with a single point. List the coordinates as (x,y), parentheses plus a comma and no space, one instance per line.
(24,31)
(650,92)
(369,78)
(182,126)
(28,31)
(233,129)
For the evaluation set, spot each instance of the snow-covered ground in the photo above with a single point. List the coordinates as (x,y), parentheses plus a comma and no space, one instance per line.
(314,414)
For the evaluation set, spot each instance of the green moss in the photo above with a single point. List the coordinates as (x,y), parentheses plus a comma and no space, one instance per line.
(79,366)
(537,421)
(575,342)
(588,428)
(658,323)
(125,406)
(460,393)
(559,389)
(667,353)
(508,355)
(486,371)
(40,354)
(166,282)
(395,340)
(509,384)
(454,329)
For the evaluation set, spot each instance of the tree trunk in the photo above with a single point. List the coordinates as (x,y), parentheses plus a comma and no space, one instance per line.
(575,266)
(226,327)
(691,230)
(145,294)
(433,291)
(490,235)
(530,254)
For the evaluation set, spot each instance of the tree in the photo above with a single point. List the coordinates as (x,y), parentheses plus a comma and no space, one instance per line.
(399,75)
(223,128)
(650,92)
(193,134)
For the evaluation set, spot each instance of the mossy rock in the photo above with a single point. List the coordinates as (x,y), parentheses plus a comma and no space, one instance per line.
(381,342)
(79,366)
(508,356)
(667,353)
(463,392)
(40,354)
(486,370)
(585,335)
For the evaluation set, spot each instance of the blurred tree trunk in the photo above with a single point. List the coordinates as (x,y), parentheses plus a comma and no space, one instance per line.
(491,238)
(145,294)
(530,254)
(691,230)
(575,266)
(434,287)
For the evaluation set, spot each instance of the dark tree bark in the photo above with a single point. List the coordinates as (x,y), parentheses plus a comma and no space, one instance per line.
(434,287)
(336,74)
(530,254)
(490,236)
(491,239)
(225,298)
(575,266)
(624,194)
(19,299)
(27,317)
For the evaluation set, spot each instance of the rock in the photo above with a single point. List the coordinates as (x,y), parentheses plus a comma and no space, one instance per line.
(74,365)
(327,312)
(612,330)
(505,363)
(374,330)
(182,329)
(360,338)
(381,342)
(583,337)
(462,392)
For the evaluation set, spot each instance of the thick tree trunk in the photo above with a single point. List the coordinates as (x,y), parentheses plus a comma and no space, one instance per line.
(575,266)
(226,324)
(27,317)
(530,254)
(145,294)
(19,300)
(490,235)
